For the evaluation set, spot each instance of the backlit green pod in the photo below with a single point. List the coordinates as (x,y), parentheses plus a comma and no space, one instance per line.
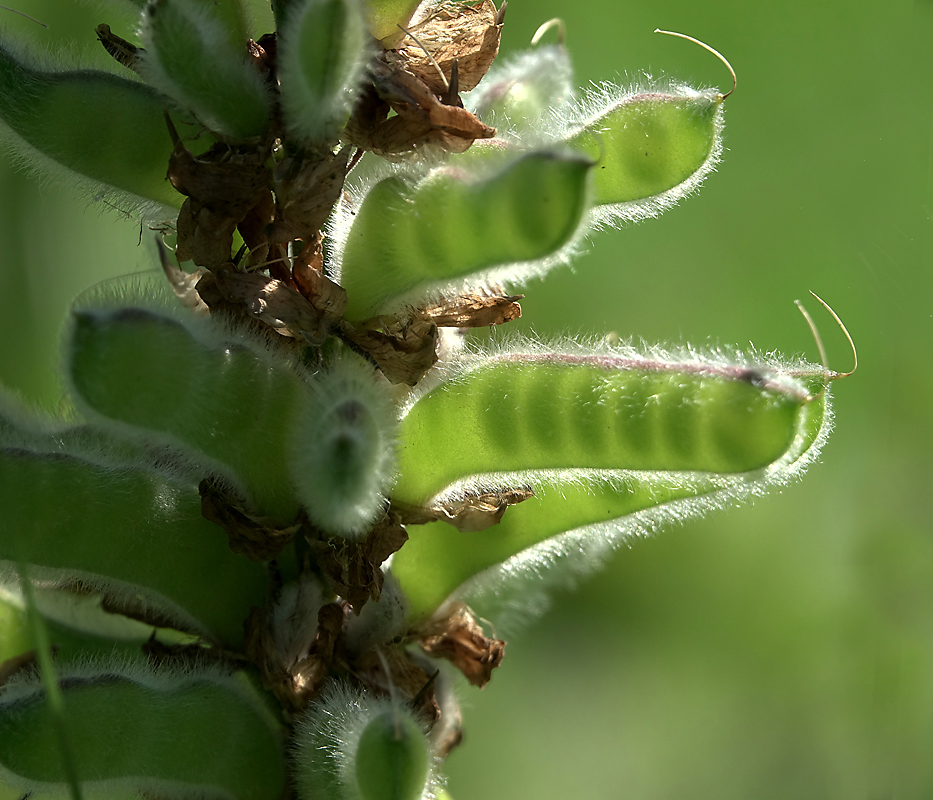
(409,241)
(564,411)
(58,117)
(651,145)
(612,451)
(136,732)
(134,534)
(227,403)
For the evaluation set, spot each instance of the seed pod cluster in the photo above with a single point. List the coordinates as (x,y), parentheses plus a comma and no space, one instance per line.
(249,443)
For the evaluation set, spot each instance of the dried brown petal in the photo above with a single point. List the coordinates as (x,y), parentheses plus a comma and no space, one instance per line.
(467,34)
(294,683)
(184,284)
(468,514)
(403,351)
(473,310)
(275,303)
(123,51)
(422,117)
(404,679)
(325,296)
(257,538)
(221,185)
(460,640)
(306,189)
(351,568)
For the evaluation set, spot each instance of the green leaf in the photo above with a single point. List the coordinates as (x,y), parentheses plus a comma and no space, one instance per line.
(138,731)
(57,122)
(409,242)
(322,57)
(190,57)
(612,440)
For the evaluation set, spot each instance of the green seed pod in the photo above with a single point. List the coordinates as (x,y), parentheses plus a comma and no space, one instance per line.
(519,96)
(385,18)
(162,378)
(653,145)
(78,626)
(342,448)
(612,442)
(135,534)
(189,56)
(136,732)
(322,56)
(352,746)
(412,242)
(56,122)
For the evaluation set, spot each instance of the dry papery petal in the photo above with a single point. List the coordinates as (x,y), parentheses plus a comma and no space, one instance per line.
(448,32)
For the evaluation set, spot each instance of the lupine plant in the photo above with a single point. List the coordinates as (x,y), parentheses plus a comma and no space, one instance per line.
(290,496)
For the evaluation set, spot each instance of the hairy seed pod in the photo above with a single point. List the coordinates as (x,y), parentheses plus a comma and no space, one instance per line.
(612,442)
(56,122)
(352,746)
(133,533)
(342,448)
(411,242)
(322,56)
(189,56)
(135,731)
(653,145)
(194,385)
(520,96)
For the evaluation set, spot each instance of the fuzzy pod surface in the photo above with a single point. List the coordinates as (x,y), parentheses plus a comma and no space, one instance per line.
(138,732)
(191,384)
(409,241)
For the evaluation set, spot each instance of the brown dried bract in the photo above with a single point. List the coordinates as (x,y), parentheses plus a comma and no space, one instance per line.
(123,51)
(423,118)
(404,678)
(257,538)
(306,189)
(351,568)
(474,310)
(458,638)
(455,32)
(469,514)
(280,306)
(184,284)
(221,185)
(294,683)
(403,350)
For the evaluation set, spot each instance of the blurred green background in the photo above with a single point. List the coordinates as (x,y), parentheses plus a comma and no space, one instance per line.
(782,650)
